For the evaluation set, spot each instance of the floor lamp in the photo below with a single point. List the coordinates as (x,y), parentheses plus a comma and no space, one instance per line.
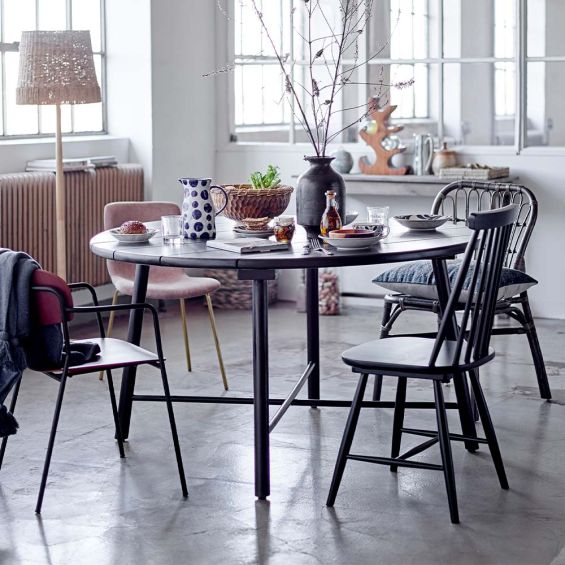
(57,67)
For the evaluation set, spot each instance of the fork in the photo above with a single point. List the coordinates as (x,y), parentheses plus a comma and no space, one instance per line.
(317,246)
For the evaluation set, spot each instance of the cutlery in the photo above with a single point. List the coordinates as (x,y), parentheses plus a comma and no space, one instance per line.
(317,246)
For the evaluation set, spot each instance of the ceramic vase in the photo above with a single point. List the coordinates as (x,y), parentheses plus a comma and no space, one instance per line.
(343,161)
(311,193)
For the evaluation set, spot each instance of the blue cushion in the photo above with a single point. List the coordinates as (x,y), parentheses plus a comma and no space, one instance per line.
(417,279)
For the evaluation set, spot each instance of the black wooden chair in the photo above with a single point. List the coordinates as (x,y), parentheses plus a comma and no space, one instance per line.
(53,305)
(458,200)
(455,352)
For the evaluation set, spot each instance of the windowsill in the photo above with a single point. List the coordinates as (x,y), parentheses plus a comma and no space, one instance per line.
(359,148)
(51,139)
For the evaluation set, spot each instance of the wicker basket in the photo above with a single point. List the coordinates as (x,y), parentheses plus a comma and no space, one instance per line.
(235,294)
(244,201)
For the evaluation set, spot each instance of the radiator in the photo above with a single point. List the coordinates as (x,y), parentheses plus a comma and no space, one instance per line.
(27,214)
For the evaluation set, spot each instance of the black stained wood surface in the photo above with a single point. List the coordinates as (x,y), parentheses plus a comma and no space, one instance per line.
(400,245)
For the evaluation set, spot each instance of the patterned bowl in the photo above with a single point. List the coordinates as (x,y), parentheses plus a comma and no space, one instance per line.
(421,221)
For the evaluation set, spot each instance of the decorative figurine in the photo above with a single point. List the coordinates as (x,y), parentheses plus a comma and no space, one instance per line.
(375,137)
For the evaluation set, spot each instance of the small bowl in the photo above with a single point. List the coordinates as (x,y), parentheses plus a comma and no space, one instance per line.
(350,233)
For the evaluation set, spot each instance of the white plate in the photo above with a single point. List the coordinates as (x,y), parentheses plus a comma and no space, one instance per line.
(421,221)
(133,237)
(351,242)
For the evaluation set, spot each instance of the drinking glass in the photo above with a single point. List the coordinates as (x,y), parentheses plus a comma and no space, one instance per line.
(171,226)
(377,219)
(378,215)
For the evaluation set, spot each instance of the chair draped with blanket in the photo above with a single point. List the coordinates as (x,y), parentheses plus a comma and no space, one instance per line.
(165,283)
(52,307)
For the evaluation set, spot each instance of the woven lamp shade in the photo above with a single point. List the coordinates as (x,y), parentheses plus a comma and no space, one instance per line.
(56,67)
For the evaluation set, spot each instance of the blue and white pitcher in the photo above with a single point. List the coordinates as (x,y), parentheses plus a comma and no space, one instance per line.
(198,214)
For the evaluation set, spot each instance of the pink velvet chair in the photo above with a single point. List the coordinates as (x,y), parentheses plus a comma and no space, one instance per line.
(165,283)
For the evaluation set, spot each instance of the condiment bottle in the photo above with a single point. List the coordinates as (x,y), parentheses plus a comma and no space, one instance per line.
(331,220)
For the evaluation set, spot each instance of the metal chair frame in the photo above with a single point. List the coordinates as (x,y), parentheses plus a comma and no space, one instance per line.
(457,351)
(458,200)
(62,374)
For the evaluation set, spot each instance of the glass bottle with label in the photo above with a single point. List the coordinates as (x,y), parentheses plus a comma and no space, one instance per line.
(331,220)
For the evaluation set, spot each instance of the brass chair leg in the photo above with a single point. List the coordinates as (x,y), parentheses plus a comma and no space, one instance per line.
(110,325)
(185,334)
(216,341)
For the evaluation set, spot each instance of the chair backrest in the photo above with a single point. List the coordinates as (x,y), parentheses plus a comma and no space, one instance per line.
(116,213)
(461,198)
(479,274)
(46,304)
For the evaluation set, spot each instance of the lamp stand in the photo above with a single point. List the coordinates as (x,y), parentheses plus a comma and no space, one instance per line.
(60,230)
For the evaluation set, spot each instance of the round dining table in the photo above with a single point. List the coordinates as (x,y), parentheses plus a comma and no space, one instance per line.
(401,245)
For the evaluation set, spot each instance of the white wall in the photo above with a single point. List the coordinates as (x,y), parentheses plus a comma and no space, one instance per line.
(184,111)
(128,70)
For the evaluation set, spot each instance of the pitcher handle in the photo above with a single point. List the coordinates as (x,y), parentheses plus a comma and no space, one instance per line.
(218,212)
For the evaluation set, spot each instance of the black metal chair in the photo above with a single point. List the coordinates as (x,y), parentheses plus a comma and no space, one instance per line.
(455,352)
(458,200)
(53,305)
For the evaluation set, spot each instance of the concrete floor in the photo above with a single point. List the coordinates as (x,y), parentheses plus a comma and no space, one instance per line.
(99,509)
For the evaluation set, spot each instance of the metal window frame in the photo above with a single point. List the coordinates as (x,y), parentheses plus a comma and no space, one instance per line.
(11,47)
(520,59)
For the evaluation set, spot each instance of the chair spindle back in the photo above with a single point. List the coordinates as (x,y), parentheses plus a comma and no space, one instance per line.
(460,199)
(479,276)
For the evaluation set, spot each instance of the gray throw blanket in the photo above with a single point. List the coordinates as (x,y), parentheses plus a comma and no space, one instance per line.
(16,270)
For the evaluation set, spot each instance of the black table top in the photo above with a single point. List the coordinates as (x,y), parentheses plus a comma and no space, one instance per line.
(400,245)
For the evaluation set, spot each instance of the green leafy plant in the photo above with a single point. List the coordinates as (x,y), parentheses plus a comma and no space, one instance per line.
(270,179)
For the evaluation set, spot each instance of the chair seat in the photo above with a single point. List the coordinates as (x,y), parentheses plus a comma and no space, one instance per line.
(114,353)
(407,356)
(166,283)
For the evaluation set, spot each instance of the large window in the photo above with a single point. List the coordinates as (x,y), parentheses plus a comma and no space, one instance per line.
(488,72)
(22,15)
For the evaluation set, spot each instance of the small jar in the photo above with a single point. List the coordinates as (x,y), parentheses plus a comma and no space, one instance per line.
(284,228)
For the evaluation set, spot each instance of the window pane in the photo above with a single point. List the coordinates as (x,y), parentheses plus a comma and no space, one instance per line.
(47,119)
(402,29)
(409,29)
(546,117)
(545,28)
(86,15)
(88,117)
(261,109)
(251,39)
(479,29)
(52,15)
(485,119)
(19,15)
(20,120)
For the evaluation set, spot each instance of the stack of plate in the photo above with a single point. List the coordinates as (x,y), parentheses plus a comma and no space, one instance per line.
(352,238)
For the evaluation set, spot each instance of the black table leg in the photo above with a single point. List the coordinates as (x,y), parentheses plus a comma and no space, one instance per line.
(261,388)
(134,336)
(460,385)
(313,333)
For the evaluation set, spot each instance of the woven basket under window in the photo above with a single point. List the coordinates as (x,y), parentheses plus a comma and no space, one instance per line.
(244,201)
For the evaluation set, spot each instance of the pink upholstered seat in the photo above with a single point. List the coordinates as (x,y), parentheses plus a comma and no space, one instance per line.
(165,283)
